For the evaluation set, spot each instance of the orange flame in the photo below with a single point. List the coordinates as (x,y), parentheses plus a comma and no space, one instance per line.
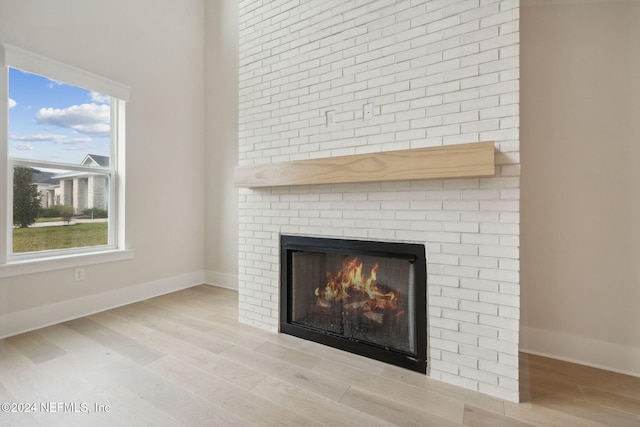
(350,282)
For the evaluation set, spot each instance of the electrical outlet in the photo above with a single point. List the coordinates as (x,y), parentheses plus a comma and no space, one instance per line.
(331,117)
(367,111)
(79,274)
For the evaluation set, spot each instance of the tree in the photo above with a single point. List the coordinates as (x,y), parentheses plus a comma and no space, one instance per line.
(26,199)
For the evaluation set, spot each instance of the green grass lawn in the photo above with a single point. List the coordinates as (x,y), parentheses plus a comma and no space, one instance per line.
(67,236)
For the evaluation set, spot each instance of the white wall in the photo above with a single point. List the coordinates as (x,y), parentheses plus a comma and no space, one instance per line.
(438,73)
(580,199)
(157,48)
(221,89)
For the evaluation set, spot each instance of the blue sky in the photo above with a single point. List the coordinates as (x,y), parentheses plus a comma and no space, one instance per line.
(56,122)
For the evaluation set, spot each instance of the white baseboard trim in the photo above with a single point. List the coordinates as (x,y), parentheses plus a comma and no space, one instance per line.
(222,280)
(51,314)
(584,351)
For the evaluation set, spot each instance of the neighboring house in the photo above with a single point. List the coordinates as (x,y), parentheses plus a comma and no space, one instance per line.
(82,190)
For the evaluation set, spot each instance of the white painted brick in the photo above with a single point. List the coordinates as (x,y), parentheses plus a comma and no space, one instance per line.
(460,360)
(482,262)
(499,368)
(480,12)
(509,252)
(453,325)
(460,337)
(443,237)
(439,72)
(480,284)
(509,359)
(510,313)
(509,336)
(500,228)
(510,324)
(500,299)
(459,381)
(479,307)
(443,302)
(480,58)
(461,294)
(459,249)
(444,367)
(463,316)
(481,331)
(446,345)
(475,374)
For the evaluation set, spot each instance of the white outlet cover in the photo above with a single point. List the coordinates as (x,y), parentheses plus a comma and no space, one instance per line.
(331,117)
(367,111)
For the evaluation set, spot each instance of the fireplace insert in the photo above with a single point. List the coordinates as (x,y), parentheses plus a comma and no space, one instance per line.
(365,297)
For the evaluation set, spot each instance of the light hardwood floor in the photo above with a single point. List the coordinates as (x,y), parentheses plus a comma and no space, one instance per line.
(183,360)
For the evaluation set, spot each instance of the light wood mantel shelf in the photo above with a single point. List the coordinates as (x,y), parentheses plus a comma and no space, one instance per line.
(452,161)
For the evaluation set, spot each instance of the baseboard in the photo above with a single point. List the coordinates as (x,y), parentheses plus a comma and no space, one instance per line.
(223,280)
(51,314)
(584,351)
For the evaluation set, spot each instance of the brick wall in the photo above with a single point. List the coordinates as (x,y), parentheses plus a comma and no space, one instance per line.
(437,73)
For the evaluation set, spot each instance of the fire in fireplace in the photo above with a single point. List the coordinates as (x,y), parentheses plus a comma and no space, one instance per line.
(365,297)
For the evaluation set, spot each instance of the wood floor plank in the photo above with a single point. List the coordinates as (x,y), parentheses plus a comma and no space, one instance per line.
(215,339)
(35,346)
(124,408)
(80,347)
(477,417)
(580,408)
(167,397)
(308,380)
(183,359)
(207,305)
(201,354)
(239,375)
(392,411)
(38,385)
(611,400)
(17,419)
(342,357)
(437,404)
(313,406)
(114,340)
(294,357)
(154,306)
(419,380)
(207,340)
(543,416)
(239,402)
(190,307)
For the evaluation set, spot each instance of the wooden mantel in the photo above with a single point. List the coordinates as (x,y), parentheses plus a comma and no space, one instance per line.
(452,161)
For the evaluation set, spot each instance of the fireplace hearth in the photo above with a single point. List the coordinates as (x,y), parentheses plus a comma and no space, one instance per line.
(365,297)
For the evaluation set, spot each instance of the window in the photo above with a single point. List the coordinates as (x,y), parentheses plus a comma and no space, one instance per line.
(63,144)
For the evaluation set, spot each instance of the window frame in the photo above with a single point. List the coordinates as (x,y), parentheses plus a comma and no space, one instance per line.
(13,57)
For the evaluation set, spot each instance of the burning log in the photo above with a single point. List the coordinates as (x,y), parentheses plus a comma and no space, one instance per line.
(349,291)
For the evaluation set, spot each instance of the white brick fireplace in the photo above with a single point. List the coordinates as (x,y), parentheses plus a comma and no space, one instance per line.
(437,73)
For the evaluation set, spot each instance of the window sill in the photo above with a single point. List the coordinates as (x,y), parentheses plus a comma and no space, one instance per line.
(68,261)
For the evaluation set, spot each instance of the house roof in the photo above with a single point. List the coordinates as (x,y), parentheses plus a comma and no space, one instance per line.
(41,177)
(52,178)
(95,160)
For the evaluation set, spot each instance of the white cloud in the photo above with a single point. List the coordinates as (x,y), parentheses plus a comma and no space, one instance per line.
(92,119)
(100,98)
(12,103)
(53,83)
(24,147)
(48,137)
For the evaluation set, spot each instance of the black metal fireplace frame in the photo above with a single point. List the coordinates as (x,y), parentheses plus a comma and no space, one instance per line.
(414,252)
